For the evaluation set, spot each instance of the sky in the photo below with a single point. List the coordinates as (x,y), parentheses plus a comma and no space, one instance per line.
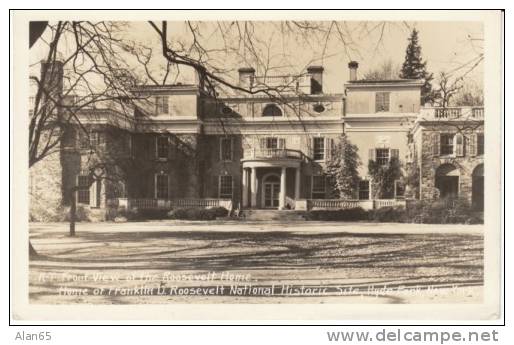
(445,45)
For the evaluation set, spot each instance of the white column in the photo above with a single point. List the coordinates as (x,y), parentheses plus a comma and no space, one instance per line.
(297,184)
(253,188)
(282,200)
(245,188)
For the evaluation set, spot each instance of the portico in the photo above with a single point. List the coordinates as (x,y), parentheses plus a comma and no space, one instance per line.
(265,182)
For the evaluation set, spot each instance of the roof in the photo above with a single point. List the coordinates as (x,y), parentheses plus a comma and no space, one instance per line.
(374,81)
(384,82)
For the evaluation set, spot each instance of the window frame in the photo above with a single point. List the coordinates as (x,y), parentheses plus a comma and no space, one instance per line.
(396,183)
(315,193)
(158,192)
(83,194)
(158,148)
(379,160)
(318,154)
(162,106)
(480,144)
(221,192)
(380,108)
(275,106)
(449,149)
(368,190)
(231,149)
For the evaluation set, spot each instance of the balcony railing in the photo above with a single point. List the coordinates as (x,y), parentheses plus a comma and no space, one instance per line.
(259,153)
(452,113)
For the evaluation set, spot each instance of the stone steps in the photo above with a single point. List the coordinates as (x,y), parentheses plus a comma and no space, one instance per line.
(273,215)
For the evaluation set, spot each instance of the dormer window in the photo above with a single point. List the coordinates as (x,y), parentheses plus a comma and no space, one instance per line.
(382,102)
(271,110)
(161,105)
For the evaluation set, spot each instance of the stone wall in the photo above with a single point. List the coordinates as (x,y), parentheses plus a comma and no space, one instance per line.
(431,160)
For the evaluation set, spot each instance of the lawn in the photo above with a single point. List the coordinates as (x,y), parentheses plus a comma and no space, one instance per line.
(236,262)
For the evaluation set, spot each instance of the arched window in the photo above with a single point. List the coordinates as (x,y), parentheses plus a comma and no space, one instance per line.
(271,110)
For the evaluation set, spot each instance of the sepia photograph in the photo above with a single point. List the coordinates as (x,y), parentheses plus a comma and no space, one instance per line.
(297,160)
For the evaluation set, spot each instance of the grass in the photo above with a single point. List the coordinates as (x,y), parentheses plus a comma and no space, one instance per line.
(308,255)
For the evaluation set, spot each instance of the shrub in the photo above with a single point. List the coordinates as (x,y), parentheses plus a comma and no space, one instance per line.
(151,213)
(388,214)
(350,214)
(442,211)
(135,214)
(220,211)
(82,214)
(198,213)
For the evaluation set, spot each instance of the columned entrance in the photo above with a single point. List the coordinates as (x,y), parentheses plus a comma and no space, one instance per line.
(271,183)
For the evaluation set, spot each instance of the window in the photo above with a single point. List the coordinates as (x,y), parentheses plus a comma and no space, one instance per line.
(446,144)
(382,156)
(83,192)
(399,189)
(480,144)
(161,186)
(161,105)
(381,101)
(271,110)
(91,140)
(318,149)
(225,187)
(364,190)
(318,187)
(226,149)
(319,108)
(162,147)
(271,143)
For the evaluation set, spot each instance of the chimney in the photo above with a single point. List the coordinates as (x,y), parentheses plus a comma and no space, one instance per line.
(246,76)
(316,76)
(353,66)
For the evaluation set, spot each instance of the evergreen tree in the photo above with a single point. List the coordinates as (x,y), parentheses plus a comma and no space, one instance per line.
(342,168)
(415,68)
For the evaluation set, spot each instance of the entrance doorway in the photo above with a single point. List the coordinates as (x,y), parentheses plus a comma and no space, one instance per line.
(477,188)
(447,181)
(271,187)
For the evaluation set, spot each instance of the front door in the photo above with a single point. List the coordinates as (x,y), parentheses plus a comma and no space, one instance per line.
(448,186)
(271,194)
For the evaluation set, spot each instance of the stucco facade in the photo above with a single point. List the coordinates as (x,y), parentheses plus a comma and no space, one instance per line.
(259,151)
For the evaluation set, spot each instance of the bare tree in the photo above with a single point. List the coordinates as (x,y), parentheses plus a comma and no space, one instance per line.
(386,71)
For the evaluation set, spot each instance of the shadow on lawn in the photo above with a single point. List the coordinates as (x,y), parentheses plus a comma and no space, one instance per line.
(459,257)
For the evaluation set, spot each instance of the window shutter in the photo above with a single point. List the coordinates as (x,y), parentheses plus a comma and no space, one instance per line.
(151,186)
(395,153)
(92,194)
(216,186)
(472,144)
(262,142)
(372,154)
(329,143)
(232,149)
(281,143)
(459,145)
(435,143)
(165,105)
